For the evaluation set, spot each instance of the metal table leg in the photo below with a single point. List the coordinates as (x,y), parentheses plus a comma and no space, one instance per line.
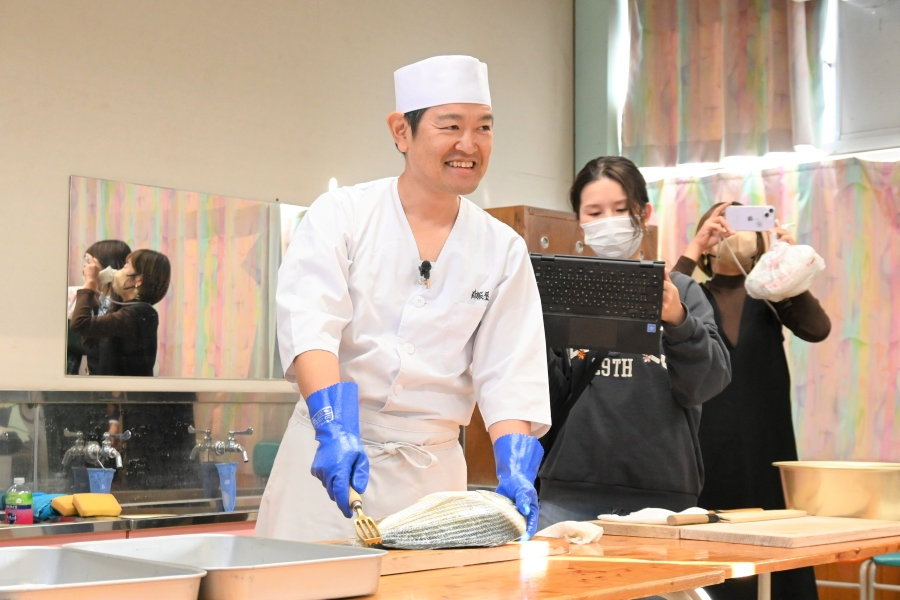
(764,586)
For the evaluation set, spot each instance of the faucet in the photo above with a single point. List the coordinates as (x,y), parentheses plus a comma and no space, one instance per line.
(94,452)
(207,443)
(76,450)
(106,449)
(231,445)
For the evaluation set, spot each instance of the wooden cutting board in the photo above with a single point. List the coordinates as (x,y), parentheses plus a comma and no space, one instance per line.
(409,561)
(792,533)
(639,530)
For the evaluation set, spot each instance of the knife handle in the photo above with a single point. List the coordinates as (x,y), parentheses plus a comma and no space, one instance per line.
(691,519)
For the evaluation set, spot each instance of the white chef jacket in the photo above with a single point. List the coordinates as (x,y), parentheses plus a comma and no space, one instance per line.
(349,285)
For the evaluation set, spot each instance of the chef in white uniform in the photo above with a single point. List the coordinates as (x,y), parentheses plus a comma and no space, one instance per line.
(400,305)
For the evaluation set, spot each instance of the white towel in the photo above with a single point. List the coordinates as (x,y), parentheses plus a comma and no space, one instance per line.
(650,516)
(576,532)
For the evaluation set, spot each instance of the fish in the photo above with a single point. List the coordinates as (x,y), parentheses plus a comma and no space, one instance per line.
(452,520)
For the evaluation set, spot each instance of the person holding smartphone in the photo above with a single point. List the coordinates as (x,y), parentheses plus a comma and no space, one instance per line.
(630,439)
(109,254)
(127,334)
(748,426)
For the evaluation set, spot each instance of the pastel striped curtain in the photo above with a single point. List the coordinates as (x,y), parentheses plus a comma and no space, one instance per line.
(716,78)
(215,320)
(846,390)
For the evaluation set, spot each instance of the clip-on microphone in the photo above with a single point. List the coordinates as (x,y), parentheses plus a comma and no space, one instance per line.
(425,274)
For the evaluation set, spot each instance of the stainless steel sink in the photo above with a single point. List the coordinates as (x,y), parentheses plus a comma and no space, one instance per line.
(240,567)
(42,573)
(187,506)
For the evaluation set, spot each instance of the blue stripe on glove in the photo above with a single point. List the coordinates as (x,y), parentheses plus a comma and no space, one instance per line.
(518,457)
(340,459)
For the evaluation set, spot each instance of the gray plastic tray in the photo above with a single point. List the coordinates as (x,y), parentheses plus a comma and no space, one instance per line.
(243,567)
(42,573)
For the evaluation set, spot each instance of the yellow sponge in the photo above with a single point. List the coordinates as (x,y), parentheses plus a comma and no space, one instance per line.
(97,505)
(64,505)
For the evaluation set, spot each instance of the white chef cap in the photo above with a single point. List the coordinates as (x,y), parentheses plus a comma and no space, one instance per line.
(441,80)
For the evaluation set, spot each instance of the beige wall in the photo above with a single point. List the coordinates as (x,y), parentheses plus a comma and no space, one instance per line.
(260,99)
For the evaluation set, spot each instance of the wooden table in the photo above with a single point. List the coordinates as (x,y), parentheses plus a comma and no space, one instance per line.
(562,577)
(737,560)
(620,567)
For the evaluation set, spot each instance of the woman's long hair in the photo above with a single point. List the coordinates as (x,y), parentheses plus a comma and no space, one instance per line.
(110,253)
(155,272)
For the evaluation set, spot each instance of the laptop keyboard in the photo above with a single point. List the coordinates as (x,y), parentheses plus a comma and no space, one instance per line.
(609,292)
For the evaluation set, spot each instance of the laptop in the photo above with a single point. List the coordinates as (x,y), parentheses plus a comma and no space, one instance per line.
(601,303)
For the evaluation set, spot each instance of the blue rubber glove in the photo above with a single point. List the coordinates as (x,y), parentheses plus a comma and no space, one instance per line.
(518,458)
(340,459)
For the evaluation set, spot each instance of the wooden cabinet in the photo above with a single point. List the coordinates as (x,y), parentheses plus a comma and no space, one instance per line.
(544,230)
(556,231)
(548,232)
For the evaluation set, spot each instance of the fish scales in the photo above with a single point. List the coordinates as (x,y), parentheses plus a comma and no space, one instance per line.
(453,520)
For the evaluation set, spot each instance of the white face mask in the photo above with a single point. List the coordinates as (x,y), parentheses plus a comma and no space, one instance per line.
(613,237)
(106,275)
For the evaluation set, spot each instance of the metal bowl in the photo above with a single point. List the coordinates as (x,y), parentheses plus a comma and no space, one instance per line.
(866,490)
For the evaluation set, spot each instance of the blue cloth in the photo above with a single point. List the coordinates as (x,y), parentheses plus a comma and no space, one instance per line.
(40,504)
(518,458)
(340,459)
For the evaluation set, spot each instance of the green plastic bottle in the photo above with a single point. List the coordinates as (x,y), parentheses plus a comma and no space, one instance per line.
(19,504)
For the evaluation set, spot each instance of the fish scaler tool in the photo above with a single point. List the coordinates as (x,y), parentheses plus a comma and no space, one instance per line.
(366,528)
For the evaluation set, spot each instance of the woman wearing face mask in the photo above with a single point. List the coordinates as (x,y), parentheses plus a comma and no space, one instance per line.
(127,333)
(111,255)
(748,426)
(630,439)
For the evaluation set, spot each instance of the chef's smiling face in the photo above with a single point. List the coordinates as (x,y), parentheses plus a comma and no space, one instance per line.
(451,148)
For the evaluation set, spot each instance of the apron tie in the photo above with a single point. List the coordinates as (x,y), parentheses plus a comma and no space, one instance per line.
(414,455)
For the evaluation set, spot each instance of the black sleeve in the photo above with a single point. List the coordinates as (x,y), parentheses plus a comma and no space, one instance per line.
(804,316)
(685,266)
(559,374)
(117,324)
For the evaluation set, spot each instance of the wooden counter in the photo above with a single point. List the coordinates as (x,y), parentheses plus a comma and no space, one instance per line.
(738,560)
(620,567)
(554,577)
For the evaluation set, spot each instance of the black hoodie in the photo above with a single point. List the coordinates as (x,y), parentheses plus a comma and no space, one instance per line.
(630,441)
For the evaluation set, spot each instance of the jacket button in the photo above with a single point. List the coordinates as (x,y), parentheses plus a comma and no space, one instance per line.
(419,301)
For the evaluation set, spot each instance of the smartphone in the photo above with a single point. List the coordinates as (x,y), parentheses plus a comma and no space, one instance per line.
(750,218)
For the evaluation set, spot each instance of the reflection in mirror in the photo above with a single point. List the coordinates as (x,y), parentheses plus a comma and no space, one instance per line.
(170,283)
(161,447)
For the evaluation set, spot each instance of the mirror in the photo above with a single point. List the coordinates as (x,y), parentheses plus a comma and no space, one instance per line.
(196,298)
(160,459)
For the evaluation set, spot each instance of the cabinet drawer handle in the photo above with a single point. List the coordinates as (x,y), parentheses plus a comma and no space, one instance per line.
(545,242)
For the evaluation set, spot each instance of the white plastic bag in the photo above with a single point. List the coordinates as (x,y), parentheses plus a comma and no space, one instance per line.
(783,272)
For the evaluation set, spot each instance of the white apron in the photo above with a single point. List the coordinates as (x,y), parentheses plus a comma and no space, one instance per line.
(408,458)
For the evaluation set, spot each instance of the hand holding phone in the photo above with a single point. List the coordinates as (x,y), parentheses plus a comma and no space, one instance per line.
(90,270)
